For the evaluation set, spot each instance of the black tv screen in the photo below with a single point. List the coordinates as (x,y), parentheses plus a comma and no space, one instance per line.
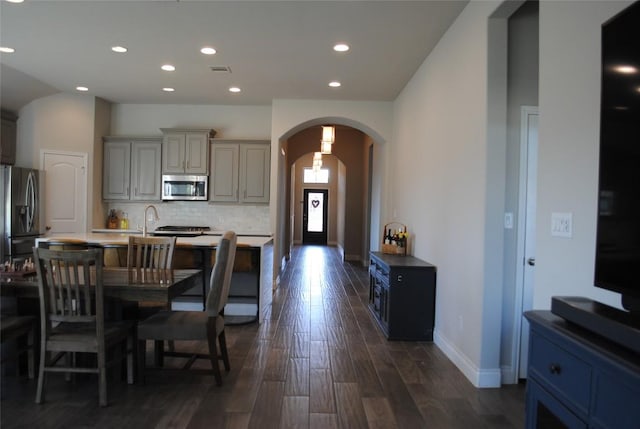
(617,262)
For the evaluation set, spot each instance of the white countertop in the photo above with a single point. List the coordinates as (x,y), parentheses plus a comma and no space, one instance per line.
(119,237)
(217,232)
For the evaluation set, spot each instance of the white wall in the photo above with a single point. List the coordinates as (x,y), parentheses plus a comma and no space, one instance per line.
(62,122)
(568,146)
(230,122)
(522,91)
(439,186)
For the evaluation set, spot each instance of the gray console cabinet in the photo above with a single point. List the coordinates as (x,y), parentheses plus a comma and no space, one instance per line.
(402,296)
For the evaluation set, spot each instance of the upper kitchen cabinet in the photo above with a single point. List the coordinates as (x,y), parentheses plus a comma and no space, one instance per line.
(8,138)
(132,168)
(185,151)
(240,171)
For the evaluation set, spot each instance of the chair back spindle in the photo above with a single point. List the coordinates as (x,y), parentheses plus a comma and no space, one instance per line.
(150,252)
(69,279)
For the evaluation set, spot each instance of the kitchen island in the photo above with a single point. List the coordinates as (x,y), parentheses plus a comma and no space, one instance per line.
(252,283)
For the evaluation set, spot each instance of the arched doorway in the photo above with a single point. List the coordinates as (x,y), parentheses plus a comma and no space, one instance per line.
(349,199)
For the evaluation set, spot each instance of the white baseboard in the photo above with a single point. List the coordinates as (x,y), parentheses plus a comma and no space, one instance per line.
(508,376)
(238,309)
(477,376)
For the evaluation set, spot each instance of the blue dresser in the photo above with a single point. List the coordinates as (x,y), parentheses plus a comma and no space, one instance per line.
(577,379)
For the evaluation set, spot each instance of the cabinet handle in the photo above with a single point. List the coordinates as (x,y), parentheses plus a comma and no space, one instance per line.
(399,278)
(555,368)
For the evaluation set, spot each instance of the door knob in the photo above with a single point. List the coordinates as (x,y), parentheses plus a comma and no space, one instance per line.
(531,261)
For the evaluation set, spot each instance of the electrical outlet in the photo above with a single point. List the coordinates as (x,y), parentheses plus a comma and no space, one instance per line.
(562,225)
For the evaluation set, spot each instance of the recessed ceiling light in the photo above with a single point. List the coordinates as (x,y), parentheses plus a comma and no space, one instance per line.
(208,50)
(234,89)
(334,84)
(341,47)
(119,49)
(15,1)
(82,88)
(168,67)
(6,50)
(168,89)
(625,69)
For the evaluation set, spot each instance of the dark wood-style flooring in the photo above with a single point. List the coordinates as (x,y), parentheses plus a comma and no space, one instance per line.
(318,361)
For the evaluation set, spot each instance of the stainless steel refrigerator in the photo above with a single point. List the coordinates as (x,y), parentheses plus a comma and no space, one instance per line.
(22,211)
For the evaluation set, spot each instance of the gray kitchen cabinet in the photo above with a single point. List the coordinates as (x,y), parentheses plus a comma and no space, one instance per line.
(240,171)
(132,168)
(8,138)
(224,172)
(185,151)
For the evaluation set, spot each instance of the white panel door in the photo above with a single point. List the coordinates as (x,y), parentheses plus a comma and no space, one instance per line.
(65,193)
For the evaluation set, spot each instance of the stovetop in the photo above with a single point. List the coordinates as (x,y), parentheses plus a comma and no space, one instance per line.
(181,231)
(183,228)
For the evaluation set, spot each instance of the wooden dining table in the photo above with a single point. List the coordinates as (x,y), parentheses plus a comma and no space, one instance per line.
(122,283)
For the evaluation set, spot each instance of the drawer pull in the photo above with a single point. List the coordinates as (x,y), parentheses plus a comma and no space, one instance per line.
(555,369)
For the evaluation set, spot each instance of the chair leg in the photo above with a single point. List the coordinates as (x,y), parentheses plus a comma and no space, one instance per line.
(131,351)
(70,362)
(223,351)
(158,353)
(40,389)
(142,356)
(102,379)
(31,345)
(213,357)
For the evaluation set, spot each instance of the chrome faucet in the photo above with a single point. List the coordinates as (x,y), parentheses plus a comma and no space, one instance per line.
(155,218)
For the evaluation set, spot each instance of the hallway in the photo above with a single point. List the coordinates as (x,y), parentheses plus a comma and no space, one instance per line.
(318,361)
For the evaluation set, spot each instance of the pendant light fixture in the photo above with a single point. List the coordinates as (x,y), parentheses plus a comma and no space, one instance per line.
(328,137)
(317,161)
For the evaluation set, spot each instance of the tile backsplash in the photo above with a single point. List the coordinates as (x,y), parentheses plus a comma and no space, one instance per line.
(239,218)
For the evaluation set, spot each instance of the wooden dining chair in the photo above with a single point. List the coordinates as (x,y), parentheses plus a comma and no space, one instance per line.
(205,325)
(70,288)
(15,328)
(150,252)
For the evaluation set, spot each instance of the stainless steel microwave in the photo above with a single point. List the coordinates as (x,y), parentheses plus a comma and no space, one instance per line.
(184,187)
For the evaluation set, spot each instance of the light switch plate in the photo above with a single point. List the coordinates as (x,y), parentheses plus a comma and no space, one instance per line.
(508,220)
(562,225)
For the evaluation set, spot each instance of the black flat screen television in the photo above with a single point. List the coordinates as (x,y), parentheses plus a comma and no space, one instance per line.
(617,261)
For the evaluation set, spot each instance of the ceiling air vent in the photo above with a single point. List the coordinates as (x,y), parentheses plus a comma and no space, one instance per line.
(224,69)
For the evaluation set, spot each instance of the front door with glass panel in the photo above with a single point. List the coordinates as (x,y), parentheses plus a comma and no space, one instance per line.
(314,218)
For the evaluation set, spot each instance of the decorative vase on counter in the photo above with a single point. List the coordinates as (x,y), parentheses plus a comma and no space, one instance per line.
(112,220)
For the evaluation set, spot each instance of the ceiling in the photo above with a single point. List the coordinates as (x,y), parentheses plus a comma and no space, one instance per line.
(274,49)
